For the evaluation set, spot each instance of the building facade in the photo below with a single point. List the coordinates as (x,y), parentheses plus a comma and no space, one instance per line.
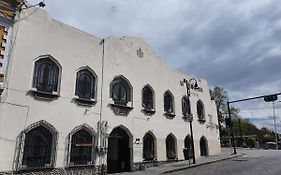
(71,99)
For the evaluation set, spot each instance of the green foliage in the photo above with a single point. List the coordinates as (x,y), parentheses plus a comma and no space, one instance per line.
(219,95)
(245,132)
(250,142)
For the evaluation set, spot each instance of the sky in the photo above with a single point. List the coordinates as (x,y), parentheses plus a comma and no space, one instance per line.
(233,44)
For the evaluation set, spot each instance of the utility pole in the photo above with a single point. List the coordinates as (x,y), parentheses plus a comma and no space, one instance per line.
(231,130)
(275,129)
(240,132)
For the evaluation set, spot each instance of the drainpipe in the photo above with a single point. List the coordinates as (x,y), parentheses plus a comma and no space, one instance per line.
(101,124)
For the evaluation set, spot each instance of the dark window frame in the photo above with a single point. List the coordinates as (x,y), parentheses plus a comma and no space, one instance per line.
(200,111)
(203,143)
(85,84)
(76,147)
(186,108)
(171,147)
(27,154)
(121,91)
(169,103)
(148,102)
(149,147)
(46,75)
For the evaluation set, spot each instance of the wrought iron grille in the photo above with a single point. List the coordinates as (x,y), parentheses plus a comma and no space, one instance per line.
(120,91)
(37,148)
(188,145)
(171,147)
(203,146)
(81,148)
(85,84)
(46,74)
(168,103)
(200,110)
(148,147)
(185,106)
(147,98)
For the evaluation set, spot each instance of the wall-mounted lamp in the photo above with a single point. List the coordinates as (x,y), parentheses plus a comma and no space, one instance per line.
(191,84)
(137,141)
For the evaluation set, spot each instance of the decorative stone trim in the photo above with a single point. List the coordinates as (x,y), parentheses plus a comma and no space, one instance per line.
(148,111)
(202,121)
(169,115)
(44,95)
(121,109)
(84,102)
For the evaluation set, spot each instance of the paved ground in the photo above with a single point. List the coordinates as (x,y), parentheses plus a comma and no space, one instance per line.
(248,162)
(255,162)
(225,154)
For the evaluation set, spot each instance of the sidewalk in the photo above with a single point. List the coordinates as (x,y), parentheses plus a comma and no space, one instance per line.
(225,154)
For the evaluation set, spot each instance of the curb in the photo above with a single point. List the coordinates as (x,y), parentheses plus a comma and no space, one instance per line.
(205,163)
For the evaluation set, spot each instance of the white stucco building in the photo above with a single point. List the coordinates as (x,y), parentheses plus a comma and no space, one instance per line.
(72,99)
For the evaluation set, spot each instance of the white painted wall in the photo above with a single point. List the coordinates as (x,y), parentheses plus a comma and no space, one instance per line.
(37,34)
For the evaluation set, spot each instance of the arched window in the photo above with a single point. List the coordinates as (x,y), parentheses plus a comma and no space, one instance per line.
(188,146)
(147,98)
(168,102)
(185,106)
(203,146)
(82,146)
(120,91)
(171,147)
(149,147)
(85,84)
(200,111)
(38,149)
(46,75)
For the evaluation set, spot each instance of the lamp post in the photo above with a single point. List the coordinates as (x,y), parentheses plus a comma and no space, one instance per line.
(188,85)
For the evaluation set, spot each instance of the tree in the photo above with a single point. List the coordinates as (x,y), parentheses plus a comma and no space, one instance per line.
(219,95)
(246,131)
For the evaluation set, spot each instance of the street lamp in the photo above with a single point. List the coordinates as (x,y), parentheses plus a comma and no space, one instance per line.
(190,84)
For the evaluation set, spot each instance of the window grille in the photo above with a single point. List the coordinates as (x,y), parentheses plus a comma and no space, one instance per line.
(200,110)
(188,145)
(203,146)
(120,91)
(185,106)
(148,147)
(38,146)
(147,98)
(85,84)
(170,147)
(168,103)
(46,75)
(81,148)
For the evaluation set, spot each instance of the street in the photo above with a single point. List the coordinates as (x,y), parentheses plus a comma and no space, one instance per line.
(257,162)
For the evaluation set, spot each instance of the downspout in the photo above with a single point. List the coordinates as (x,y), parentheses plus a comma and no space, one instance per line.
(101,123)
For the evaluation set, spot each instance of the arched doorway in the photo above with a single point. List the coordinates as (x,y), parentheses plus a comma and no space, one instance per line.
(149,151)
(188,146)
(203,146)
(118,155)
(171,151)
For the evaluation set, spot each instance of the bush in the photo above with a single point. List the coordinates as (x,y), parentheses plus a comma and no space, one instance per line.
(250,142)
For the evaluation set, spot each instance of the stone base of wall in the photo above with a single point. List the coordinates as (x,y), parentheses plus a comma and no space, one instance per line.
(94,170)
(139,166)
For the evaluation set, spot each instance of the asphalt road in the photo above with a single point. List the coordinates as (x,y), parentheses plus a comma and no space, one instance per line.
(255,162)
